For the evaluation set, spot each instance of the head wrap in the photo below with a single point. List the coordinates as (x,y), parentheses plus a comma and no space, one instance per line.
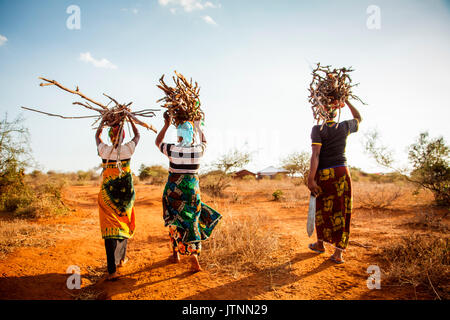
(114,132)
(186,132)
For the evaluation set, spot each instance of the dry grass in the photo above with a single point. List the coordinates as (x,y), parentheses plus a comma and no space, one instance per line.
(430,220)
(19,233)
(240,245)
(377,196)
(87,294)
(420,260)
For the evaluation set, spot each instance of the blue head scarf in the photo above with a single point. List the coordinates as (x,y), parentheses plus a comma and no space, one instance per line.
(186,131)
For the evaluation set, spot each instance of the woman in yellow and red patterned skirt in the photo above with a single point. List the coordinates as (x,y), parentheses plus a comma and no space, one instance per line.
(116,196)
(330,182)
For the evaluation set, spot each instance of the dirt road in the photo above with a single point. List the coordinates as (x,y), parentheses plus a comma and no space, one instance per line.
(40,272)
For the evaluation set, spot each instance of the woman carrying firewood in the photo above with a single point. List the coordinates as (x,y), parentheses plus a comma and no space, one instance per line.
(190,221)
(117,195)
(329,178)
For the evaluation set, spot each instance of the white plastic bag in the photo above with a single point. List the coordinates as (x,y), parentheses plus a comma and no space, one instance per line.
(310,224)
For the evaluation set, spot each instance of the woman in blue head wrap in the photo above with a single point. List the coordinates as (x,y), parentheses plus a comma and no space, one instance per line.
(185,132)
(190,221)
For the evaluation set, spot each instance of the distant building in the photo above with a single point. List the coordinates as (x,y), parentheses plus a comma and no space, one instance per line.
(242,173)
(270,172)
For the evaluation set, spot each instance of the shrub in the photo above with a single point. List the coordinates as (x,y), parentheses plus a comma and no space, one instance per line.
(376,196)
(240,245)
(420,260)
(431,167)
(278,195)
(154,174)
(430,164)
(249,178)
(215,183)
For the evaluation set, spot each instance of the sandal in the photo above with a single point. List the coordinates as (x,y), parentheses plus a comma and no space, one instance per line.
(332,258)
(311,246)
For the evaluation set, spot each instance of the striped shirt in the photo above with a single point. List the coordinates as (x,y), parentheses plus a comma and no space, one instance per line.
(183,159)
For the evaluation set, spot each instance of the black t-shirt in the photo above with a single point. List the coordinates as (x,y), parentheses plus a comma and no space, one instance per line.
(333,139)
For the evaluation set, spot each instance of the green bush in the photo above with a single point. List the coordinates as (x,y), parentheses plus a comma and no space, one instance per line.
(249,178)
(215,183)
(153,174)
(277,195)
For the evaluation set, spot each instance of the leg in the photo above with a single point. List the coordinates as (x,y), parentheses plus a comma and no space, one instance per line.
(175,255)
(175,237)
(195,263)
(121,253)
(317,247)
(110,246)
(337,256)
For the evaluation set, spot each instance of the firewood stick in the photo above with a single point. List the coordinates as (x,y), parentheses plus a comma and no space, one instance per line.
(50,82)
(60,116)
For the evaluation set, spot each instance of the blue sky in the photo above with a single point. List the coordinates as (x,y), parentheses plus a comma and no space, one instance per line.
(251,58)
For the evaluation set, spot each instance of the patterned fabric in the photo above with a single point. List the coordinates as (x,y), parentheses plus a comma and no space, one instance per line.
(116,202)
(186,132)
(183,159)
(190,221)
(113,133)
(334,206)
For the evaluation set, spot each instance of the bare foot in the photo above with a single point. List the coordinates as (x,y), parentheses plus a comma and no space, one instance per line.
(317,247)
(195,264)
(337,257)
(113,276)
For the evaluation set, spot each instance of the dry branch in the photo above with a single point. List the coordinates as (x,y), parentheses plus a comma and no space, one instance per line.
(111,116)
(182,101)
(329,89)
(53,82)
(60,116)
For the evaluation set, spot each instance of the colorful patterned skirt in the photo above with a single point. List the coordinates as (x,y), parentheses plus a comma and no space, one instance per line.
(190,221)
(116,202)
(334,206)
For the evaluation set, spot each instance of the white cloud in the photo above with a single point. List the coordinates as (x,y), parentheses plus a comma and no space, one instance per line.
(103,63)
(188,5)
(209,20)
(3,39)
(173,10)
(209,4)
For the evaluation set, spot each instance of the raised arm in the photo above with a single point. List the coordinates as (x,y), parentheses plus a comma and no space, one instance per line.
(354,111)
(312,184)
(98,140)
(137,135)
(162,133)
(200,131)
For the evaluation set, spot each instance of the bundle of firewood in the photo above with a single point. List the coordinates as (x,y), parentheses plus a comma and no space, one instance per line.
(111,116)
(182,101)
(115,116)
(329,89)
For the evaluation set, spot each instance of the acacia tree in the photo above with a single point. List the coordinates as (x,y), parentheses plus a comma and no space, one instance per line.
(431,166)
(15,155)
(217,180)
(297,163)
(429,160)
(234,159)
